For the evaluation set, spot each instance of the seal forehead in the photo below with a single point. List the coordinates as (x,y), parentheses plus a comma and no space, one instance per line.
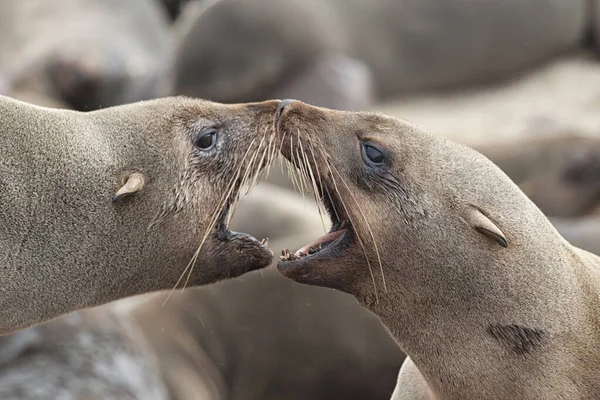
(392,128)
(197,111)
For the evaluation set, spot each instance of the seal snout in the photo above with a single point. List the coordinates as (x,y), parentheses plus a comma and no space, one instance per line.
(283,104)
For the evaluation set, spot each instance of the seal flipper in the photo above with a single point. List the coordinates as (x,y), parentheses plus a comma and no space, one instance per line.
(135,183)
(482,224)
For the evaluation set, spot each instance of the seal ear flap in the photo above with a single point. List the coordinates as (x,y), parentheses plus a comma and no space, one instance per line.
(134,183)
(484,225)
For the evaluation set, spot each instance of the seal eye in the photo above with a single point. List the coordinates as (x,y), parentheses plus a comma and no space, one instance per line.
(372,155)
(206,140)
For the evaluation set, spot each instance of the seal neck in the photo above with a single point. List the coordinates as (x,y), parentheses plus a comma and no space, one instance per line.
(472,345)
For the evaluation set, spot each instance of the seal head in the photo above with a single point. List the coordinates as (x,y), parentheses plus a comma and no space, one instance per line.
(397,196)
(123,201)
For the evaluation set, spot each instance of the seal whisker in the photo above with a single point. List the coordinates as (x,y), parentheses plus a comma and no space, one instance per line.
(367,224)
(360,240)
(295,173)
(219,210)
(296,170)
(296,179)
(271,152)
(247,178)
(302,179)
(315,188)
(282,159)
(300,168)
(312,153)
(258,170)
(244,184)
(291,172)
(303,161)
(211,225)
(246,181)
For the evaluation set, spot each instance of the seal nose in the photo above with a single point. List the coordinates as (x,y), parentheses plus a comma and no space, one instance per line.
(283,104)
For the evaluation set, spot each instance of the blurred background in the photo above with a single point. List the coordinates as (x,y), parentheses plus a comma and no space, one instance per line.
(517,80)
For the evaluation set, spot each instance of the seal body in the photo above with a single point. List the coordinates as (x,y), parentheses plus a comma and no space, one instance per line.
(467,274)
(103,205)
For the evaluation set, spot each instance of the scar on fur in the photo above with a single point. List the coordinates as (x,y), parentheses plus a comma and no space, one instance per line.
(517,338)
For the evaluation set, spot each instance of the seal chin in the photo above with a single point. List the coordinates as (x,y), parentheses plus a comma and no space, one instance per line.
(256,253)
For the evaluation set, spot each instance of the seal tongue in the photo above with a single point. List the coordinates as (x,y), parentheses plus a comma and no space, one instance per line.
(330,237)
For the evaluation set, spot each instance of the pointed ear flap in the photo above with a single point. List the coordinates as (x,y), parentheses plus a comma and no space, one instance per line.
(134,183)
(478,221)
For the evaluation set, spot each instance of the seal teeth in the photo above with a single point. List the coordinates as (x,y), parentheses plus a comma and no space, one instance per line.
(286,255)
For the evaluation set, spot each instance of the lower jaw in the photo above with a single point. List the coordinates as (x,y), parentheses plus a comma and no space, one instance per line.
(301,263)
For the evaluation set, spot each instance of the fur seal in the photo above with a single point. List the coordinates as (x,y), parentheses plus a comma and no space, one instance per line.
(108,204)
(410,46)
(467,274)
(88,53)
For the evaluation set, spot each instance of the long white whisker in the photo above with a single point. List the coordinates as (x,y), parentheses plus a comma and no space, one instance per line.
(213,220)
(360,241)
(368,226)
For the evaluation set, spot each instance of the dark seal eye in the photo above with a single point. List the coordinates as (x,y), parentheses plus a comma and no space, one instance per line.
(372,155)
(207,139)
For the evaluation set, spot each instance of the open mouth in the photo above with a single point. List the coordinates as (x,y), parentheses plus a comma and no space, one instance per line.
(256,252)
(331,244)
(341,234)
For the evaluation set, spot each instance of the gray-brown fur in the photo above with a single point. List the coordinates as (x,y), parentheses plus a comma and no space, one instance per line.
(436,210)
(65,245)
(89,53)
(410,46)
